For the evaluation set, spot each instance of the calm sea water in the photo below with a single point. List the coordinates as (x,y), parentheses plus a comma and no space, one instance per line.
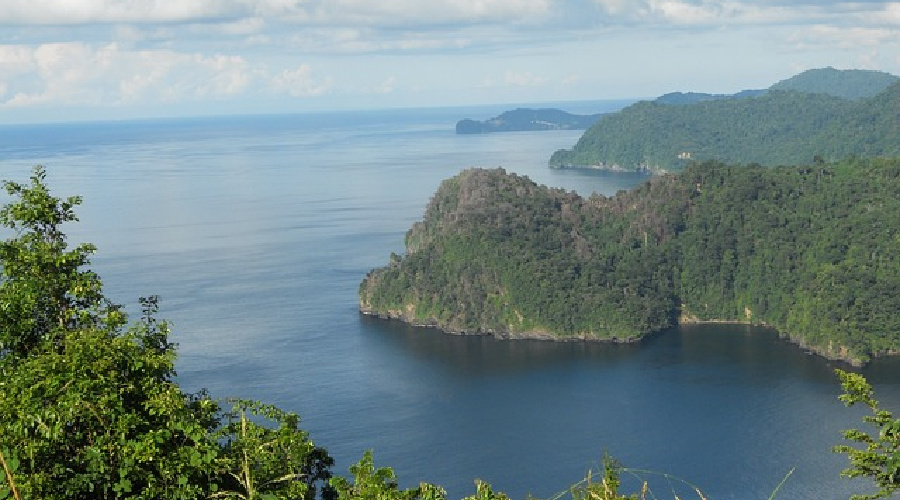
(256,231)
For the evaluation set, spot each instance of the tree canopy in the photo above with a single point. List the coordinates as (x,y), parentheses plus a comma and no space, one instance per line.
(780,127)
(809,250)
(89,407)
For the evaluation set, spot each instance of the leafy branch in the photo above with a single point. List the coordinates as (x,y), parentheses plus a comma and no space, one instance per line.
(879,458)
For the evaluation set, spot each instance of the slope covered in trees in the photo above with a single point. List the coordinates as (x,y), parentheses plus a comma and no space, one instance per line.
(528,119)
(846,84)
(809,250)
(790,126)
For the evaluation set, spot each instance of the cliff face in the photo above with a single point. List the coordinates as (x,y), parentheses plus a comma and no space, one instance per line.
(810,251)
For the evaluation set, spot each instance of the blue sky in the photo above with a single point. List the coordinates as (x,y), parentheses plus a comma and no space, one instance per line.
(66,60)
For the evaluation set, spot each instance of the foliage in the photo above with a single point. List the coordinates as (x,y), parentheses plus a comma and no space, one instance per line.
(96,415)
(370,483)
(608,487)
(260,462)
(780,127)
(490,241)
(808,250)
(89,408)
(847,84)
(527,119)
(44,290)
(680,98)
(879,459)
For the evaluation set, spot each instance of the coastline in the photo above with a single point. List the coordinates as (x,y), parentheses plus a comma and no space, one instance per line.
(829,352)
(615,168)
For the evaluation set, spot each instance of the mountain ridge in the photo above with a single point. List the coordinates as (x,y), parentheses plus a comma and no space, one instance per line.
(781,126)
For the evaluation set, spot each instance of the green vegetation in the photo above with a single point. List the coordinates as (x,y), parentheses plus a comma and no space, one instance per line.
(879,459)
(846,84)
(523,119)
(89,408)
(677,98)
(808,250)
(781,127)
(88,405)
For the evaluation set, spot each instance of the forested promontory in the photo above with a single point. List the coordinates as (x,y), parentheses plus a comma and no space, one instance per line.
(527,119)
(827,114)
(811,251)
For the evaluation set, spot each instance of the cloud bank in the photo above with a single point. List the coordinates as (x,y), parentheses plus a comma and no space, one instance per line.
(128,54)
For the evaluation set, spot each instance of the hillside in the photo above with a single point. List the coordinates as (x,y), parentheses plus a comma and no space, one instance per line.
(776,128)
(677,98)
(809,250)
(527,119)
(846,84)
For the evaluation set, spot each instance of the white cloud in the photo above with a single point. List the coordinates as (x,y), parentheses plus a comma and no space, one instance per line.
(572,79)
(248,16)
(322,12)
(300,82)
(434,12)
(523,79)
(730,12)
(227,75)
(387,86)
(888,15)
(844,38)
(104,11)
(79,74)
(109,53)
(361,40)
(688,13)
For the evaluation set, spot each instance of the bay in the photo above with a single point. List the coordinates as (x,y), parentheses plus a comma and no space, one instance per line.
(255,233)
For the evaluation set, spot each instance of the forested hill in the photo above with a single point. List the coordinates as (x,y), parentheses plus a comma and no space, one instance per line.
(528,119)
(811,251)
(777,128)
(847,84)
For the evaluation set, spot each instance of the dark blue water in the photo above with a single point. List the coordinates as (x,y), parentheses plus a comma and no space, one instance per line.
(256,231)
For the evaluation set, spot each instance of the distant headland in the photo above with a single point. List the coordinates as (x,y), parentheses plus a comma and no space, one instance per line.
(528,119)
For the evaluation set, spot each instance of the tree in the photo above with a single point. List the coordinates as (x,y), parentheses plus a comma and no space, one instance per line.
(98,417)
(43,288)
(879,459)
(260,462)
(89,406)
(370,483)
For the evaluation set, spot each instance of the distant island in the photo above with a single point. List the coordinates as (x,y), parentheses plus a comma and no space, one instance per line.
(827,114)
(528,119)
(809,250)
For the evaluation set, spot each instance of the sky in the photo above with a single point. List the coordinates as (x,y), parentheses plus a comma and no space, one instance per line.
(72,60)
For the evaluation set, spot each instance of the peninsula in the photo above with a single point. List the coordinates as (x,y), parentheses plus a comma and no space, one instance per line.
(528,119)
(808,250)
